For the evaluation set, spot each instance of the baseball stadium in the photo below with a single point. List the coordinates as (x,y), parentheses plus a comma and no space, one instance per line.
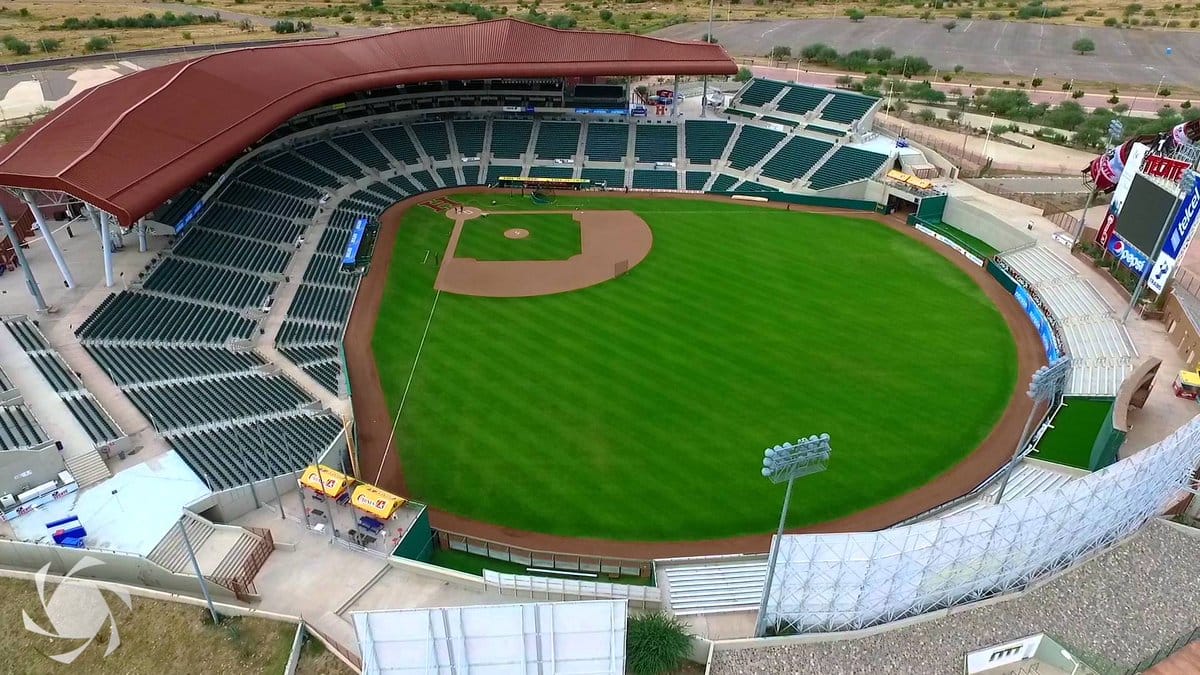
(414,324)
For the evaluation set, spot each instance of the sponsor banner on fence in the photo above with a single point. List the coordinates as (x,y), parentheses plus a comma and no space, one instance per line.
(1128,254)
(189,217)
(1137,153)
(1040,323)
(951,243)
(1182,229)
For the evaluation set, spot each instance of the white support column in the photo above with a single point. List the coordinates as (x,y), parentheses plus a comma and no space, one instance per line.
(19,252)
(141,230)
(675,97)
(100,222)
(55,252)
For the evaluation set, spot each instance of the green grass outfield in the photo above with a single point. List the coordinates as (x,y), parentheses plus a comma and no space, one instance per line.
(973,244)
(1076,427)
(551,237)
(639,408)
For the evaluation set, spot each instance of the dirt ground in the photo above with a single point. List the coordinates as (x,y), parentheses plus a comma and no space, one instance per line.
(613,243)
(373,419)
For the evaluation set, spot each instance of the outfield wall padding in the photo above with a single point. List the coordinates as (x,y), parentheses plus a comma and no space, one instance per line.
(418,542)
(805,200)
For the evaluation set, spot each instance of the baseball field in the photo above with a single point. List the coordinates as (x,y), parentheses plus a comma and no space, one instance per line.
(638,408)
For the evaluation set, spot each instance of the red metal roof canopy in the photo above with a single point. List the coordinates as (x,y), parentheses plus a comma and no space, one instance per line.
(128,145)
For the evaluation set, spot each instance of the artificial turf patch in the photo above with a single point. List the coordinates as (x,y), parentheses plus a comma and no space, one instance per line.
(552,236)
(639,408)
(1074,432)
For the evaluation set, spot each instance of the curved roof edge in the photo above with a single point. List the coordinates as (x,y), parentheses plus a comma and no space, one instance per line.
(129,144)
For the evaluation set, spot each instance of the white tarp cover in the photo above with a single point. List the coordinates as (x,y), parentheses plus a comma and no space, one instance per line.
(568,638)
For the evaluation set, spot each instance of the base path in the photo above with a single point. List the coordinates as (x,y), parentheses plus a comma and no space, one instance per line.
(613,242)
(373,419)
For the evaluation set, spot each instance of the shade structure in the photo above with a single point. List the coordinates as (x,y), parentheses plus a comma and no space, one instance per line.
(378,503)
(335,483)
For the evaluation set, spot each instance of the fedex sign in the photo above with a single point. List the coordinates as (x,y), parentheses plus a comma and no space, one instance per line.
(1177,239)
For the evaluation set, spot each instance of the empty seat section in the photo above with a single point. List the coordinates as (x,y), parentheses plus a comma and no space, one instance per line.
(358,146)
(326,270)
(446,173)
(495,171)
(760,92)
(326,373)
(292,165)
(252,224)
(751,186)
(260,176)
(234,455)
(396,141)
(846,166)
(800,99)
(432,136)
(392,194)
(556,140)
(19,429)
(319,303)
(795,159)
(425,179)
(95,422)
(27,334)
(825,130)
(706,140)
(723,183)
(471,174)
(469,136)
(327,157)
(695,180)
(656,142)
(609,177)
(137,316)
(847,108)
(237,252)
(197,281)
(752,145)
(549,172)
(55,371)
(650,179)
(175,405)
(299,332)
(404,185)
(127,364)
(177,209)
(605,142)
(510,138)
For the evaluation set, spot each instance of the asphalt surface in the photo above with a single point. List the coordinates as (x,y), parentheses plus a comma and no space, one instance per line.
(1000,47)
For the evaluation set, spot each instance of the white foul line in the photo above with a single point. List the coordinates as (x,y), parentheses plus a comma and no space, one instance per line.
(404,396)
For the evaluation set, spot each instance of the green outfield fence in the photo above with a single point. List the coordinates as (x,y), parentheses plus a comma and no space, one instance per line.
(804,200)
(418,543)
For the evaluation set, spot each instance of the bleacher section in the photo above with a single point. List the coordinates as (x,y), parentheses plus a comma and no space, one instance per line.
(655,142)
(19,428)
(606,142)
(695,180)
(396,141)
(709,587)
(760,92)
(469,135)
(795,159)
(328,158)
(706,140)
(1101,351)
(98,425)
(433,139)
(556,140)
(800,100)
(291,164)
(550,172)
(644,179)
(510,138)
(846,166)
(610,177)
(360,147)
(752,145)
(723,183)
(847,107)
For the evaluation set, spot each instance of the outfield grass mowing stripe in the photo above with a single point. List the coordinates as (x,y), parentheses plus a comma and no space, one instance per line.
(639,408)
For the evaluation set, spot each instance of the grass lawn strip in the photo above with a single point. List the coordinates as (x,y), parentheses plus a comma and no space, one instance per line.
(1076,427)
(552,236)
(639,408)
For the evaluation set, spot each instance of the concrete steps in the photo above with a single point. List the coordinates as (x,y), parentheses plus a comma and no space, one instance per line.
(87,468)
(171,552)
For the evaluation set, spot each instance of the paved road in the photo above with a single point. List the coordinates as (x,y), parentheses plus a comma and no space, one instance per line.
(1001,47)
(1144,105)
(1036,184)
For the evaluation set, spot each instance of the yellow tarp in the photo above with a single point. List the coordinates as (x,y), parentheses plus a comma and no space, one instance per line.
(375,501)
(1189,378)
(336,482)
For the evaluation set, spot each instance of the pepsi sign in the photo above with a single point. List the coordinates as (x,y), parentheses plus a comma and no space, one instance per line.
(1128,255)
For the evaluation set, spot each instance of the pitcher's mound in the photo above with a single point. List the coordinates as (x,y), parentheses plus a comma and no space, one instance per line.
(516,233)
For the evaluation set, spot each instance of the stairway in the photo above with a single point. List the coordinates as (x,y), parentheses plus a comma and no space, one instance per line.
(87,468)
(171,552)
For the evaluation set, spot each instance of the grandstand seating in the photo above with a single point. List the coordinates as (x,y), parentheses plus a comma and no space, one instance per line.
(182,204)
(471,174)
(360,147)
(705,140)
(125,319)
(606,142)
(557,140)
(655,142)
(847,107)
(751,186)
(446,173)
(232,455)
(795,159)
(291,164)
(469,135)
(657,180)
(549,172)
(128,365)
(695,180)
(397,142)
(846,166)
(19,428)
(705,587)
(760,92)
(181,277)
(800,100)
(433,138)
(261,176)
(424,178)
(328,158)
(752,145)
(610,177)
(510,138)
(240,253)
(723,183)
(180,405)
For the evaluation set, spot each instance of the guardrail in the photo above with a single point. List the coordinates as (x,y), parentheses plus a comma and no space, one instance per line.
(644,597)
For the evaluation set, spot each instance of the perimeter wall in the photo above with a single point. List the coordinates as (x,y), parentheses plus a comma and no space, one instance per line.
(977,221)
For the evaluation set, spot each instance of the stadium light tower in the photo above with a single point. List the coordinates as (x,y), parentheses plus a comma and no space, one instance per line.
(781,463)
(1046,383)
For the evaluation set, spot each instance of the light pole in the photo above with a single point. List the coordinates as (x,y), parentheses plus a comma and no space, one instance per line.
(987,139)
(782,463)
(1185,186)
(709,39)
(1047,382)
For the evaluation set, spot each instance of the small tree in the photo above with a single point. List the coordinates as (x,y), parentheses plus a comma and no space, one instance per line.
(958,69)
(856,15)
(1036,82)
(743,75)
(950,25)
(1185,105)
(1114,99)
(656,644)
(843,81)
(97,44)
(946,77)
(954,115)
(1083,46)
(781,53)
(1078,93)
(347,18)
(711,39)
(1066,86)
(1164,92)
(606,16)
(926,115)
(186,35)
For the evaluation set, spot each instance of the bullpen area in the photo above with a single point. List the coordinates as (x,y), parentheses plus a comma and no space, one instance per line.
(635,407)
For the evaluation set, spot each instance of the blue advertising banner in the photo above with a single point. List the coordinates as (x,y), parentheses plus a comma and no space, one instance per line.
(1128,254)
(1040,323)
(1182,229)
(189,217)
(356,235)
